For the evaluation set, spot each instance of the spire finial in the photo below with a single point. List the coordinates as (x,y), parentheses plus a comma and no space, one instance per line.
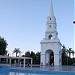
(51,9)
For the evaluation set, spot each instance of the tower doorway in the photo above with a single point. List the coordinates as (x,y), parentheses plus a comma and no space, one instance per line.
(49,57)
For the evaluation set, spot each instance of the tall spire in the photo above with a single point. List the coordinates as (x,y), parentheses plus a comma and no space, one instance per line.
(51,10)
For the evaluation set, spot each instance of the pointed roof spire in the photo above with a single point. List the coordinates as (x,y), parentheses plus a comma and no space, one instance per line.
(51,10)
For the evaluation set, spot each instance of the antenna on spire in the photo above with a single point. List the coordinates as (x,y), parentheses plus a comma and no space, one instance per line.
(51,9)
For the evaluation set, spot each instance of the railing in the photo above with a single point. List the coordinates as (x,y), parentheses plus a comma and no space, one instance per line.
(59,68)
(45,68)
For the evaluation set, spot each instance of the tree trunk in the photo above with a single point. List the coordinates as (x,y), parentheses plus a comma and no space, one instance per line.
(16,54)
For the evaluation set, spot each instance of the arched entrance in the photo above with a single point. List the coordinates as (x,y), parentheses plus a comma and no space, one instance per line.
(49,57)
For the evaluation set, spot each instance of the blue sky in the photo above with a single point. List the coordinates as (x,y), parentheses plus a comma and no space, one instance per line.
(23,22)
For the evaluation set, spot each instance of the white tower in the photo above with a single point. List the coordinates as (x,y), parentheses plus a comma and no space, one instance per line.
(51,45)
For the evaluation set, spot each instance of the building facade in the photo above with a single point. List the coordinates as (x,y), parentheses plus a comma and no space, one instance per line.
(51,45)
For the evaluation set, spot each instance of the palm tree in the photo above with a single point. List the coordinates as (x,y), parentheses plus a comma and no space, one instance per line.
(69,51)
(64,56)
(73,53)
(17,51)
(64,50)
(27,54)
(3,46)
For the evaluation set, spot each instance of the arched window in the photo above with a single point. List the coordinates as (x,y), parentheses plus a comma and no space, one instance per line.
(50,36)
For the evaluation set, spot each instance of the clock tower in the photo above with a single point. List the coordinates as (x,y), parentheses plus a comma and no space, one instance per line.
(51,45)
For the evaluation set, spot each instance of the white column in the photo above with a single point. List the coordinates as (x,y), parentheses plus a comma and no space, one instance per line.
(24,62)
(56,59)
(14,62)
(10,61)
(18,60)
(6,60)
(47,58)
(20,63)
(31,62)
(43,60)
